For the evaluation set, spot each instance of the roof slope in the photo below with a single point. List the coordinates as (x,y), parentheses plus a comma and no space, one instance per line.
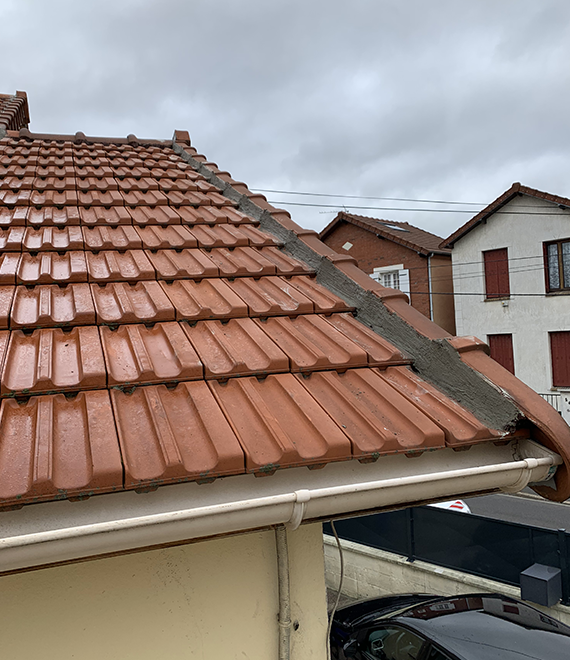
(403,233)
(515,190)
(161,323)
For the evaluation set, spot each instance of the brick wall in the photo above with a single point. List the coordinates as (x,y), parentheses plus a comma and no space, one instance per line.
(372,252)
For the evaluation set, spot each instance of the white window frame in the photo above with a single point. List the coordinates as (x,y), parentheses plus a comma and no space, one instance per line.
(379,274)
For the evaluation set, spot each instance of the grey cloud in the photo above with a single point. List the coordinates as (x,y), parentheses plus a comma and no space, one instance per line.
(401,98)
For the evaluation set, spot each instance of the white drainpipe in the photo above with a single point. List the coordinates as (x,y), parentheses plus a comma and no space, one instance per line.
(284,592)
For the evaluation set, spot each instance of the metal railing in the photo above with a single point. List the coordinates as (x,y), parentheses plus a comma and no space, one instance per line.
(553,399)
(493,549)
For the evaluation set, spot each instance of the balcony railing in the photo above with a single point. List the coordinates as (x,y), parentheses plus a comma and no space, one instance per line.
(553,399)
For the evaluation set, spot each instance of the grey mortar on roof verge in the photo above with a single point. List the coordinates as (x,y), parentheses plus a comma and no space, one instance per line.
(435,360)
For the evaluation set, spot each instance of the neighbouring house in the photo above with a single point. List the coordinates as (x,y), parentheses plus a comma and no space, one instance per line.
(190,384)
(400,256)
(511,275)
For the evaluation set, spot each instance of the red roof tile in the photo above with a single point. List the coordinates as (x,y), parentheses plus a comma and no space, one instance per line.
(178,325)
(417,239)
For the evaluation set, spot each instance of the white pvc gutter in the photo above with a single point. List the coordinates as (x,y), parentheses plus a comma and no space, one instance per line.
(35,548)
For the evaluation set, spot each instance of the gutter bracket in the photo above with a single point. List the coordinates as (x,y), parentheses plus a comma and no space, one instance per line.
(299,506)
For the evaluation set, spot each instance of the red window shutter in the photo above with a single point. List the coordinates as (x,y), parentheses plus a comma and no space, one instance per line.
(502,350)
(497,273)
(560,352)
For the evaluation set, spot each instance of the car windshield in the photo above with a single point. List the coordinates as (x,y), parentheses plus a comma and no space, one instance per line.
(482,627)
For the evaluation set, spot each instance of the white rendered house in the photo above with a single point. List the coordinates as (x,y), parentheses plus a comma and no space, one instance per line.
(511,277)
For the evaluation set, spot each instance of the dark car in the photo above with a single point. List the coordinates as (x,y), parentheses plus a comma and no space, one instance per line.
(467,627)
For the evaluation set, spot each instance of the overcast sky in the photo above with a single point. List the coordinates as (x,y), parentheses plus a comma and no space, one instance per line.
(424,99)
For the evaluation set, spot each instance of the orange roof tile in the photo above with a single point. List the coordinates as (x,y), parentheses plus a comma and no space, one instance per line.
(161,323)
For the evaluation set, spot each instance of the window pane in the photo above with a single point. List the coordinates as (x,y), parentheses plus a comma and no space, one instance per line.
(553,270)
(392,643)
(566,265)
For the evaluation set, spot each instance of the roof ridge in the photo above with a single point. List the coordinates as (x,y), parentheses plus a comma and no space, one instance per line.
(516,189)
(383,226)
(14,112)
(385,311)
(80,138)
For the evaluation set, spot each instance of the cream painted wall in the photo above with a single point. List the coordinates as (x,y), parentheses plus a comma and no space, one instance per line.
(214,600)
(528,319)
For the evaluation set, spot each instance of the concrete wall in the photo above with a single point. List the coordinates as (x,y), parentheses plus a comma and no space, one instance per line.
(372,252)
(528,319)
(372,573)
(214,599)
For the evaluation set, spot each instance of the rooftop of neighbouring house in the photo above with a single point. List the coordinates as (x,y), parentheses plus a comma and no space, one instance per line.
(516,190)
(416,239)
(161,323)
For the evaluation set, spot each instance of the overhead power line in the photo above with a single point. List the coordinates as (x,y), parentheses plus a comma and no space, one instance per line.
(391,199)
(341,207)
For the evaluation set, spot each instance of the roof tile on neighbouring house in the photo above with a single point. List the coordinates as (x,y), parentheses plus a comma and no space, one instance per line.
(400,232)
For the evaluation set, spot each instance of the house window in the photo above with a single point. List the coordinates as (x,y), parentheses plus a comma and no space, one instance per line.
(394,277)
(557,258)
(497,273)
(502,350)
(560,355)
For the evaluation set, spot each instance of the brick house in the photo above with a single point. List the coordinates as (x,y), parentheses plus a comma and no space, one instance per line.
(400,256)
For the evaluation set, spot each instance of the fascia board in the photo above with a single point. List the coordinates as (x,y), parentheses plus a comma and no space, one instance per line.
(56,532)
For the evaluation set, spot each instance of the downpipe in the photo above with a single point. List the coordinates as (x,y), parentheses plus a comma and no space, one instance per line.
(284,619)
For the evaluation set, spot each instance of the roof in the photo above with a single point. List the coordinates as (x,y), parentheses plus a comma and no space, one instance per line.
(515,190)
(161,323)
(402,233)
(14,113)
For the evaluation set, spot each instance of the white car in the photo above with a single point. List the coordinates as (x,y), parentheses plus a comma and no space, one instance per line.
(452,505)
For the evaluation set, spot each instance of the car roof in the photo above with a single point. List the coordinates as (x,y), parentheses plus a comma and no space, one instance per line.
(489,627)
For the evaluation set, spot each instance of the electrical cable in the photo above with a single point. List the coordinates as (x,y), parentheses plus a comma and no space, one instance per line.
(340,207)
(335,606)
(392,199)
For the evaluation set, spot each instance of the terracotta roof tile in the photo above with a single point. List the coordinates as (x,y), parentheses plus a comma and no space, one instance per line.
(51,267)
(271,296)
(400,232)
(127,302)
(376,417)
(195,346)
(272,415)
(182,264)
(51,360)
(155,237)
(174,435)
(114,266)
(209,298)
(54,447)
(136,354)
(53,238)
(47,216)
(156,215)
(238,347)
(6,297)
(114,237)
(52,306)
